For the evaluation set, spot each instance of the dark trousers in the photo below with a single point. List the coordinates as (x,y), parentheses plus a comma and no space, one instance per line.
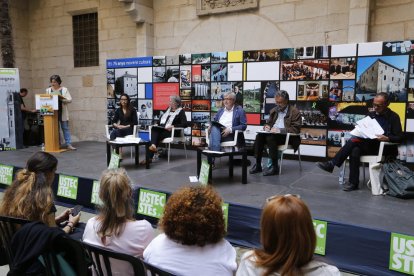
(116,132)
(354,148)
(159,134)
(272,142)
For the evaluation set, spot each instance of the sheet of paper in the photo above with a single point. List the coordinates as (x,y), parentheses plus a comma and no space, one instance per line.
(193,179)
(367,128)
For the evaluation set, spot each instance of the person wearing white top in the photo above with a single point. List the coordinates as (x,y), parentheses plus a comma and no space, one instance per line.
(288,242)
(115,227)
(193,240)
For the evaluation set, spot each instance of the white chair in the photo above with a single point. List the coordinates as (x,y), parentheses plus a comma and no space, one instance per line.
(232,143)
(286,148)
(173,139)
(371,160)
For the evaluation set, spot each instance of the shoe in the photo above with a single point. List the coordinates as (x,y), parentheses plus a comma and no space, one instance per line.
(153,148)
(326,166)
(347,187)
(272,171)
(70,147)
(144,162)
(255,169)
(213,166)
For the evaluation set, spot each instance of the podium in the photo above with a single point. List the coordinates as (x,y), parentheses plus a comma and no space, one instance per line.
(48,105)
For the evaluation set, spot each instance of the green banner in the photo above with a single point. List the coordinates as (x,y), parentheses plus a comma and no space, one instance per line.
(6,174)
(402,253)
(114,163)
(151,203)
(95,193)
(321,229)
(204,170)
(68,186)
(225,207)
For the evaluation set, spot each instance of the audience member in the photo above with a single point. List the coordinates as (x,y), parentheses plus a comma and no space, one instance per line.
(63,114)
(288,241)
(356,146)
(193,240)
(31,196)
(115,227)
(125,118)
(283,118)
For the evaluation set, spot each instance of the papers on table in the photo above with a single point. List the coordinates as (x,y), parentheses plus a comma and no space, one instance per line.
(126,140)
(367,128)
(213,151)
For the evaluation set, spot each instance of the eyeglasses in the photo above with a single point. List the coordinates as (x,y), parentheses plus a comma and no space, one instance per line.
(124,100)
(277,196)
(378,105)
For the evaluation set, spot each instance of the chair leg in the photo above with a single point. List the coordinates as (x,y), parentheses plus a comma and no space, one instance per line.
(363,172)
(342,174)
(300,160)
(185,150)
(169,152)
(280,163)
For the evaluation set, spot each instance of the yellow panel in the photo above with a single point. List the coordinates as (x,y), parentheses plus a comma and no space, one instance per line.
(399,108)
(235,56)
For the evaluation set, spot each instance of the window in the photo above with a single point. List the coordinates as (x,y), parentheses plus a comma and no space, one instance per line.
(85,40)
(385,77)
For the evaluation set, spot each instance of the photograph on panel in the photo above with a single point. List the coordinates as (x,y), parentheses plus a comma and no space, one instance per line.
(200,91)
(312,90)
(196,73)
(316,69)
(311,52)
(205,73)
(198,141)
(200,58)
(268,91)
(185,94)
(397,48)
(200,117)
(382,74)
(126,82)
(185,77)
(287,53)
(172,73)
(334,140)
(185,59)
(110,76)
(345,115)
(200,105)
(218,57)
(158,61)
(158,74)
(186,104)
(252,95)
(411,90)
(313,113)
(219,72)
(313,136)
(110,90)
(342,68)
(262,55)
(411,66)
(145,109)
(172,60)
(237,89)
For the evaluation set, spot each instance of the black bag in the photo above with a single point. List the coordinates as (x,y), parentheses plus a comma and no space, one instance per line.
(399,178)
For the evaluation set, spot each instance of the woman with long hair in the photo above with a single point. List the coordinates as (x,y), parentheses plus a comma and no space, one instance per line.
(115,227)
(288,242)
(124,119)
(31,196)
(193,240)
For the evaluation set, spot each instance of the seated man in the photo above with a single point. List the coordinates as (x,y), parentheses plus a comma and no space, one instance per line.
(355,146)
(231,117)
(283,118)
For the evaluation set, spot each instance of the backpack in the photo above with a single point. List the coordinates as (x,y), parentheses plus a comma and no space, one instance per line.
(399,178)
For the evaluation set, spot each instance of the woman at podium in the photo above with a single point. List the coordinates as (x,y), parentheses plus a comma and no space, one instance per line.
(64,99)
(124,119)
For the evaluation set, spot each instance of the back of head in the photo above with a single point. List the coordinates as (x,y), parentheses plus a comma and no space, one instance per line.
(30,196)
(117,208)
(287,236)
(193,216)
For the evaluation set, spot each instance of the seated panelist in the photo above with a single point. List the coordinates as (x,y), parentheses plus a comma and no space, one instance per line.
(283,118)
(124,119)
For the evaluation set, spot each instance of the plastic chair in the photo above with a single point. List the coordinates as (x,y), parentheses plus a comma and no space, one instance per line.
(101,259)
(8,227)
(172,139)
(287,148)
(232,143)
(155,271)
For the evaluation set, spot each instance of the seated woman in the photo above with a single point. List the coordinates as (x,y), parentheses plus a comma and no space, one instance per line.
(173,117)
(115,227)
(124,119)
(193,240)
(31,196)
(288,242)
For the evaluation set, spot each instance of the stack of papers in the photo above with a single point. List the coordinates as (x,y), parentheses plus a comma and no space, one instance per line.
(367,128)
(126,140)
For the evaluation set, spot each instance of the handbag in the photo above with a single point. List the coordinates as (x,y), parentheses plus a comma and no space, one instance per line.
(400,179)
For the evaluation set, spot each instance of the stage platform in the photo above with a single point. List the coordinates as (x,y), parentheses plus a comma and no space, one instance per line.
(320,190)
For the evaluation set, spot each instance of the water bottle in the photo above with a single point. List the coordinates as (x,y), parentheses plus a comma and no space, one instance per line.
(43,146)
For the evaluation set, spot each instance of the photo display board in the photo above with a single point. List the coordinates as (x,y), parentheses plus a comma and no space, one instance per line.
(332,86)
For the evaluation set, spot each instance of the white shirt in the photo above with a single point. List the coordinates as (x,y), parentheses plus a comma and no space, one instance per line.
(248,267)
(183,260)
(133,240)
(67,99)
(226,118)
(280,121)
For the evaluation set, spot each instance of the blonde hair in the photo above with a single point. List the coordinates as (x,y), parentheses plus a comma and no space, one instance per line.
(287,236)
(116,195)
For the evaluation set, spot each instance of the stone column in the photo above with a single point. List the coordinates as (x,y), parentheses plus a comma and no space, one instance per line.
(358,21)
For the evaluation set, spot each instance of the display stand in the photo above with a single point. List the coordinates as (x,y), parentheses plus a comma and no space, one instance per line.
(48,106)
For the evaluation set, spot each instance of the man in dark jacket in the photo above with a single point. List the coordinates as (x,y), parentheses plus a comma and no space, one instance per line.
(356,146)
(283,119)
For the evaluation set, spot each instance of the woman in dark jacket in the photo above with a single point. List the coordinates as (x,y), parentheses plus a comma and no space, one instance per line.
(124,119)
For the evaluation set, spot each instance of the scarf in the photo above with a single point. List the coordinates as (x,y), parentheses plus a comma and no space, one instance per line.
(170,116)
